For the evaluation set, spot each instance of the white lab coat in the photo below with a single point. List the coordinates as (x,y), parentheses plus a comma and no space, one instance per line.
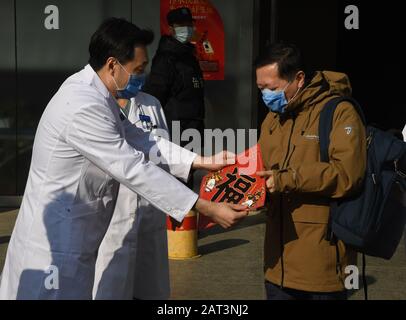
(82,152)
(133,256)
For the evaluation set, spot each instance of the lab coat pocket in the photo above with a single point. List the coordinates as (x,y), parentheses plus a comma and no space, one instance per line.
(82,209)
(85,225)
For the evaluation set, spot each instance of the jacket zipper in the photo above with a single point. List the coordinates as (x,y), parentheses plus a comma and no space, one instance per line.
(289,141)
(282,247)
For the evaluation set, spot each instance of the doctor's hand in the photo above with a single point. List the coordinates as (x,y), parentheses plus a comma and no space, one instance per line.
(216,162)
(270,180)
(225,214)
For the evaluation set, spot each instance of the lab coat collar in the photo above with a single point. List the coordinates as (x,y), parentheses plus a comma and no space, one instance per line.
(93,79)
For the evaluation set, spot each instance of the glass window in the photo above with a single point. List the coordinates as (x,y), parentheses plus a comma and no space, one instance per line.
(7,100)
(46,57)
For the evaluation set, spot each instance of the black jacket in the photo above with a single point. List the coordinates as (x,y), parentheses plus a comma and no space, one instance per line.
(176,80)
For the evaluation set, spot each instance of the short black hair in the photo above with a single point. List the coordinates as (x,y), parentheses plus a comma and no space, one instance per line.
(116,37)
(287,56)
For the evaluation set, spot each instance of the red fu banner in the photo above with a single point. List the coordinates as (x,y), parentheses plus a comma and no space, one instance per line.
(208,37)
(237,184)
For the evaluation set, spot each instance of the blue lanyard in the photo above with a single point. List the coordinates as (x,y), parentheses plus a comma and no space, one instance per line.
(145,120)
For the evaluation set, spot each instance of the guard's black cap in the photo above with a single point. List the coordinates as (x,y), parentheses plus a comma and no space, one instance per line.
(179,15)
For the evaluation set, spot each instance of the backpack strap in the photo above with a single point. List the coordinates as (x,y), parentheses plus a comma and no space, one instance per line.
(326,123)
(325,128)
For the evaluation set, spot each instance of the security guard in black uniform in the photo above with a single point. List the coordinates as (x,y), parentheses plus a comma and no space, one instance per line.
(176,79)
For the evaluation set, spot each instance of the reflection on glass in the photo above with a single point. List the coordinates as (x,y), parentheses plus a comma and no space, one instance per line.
(7,101)
(45,58)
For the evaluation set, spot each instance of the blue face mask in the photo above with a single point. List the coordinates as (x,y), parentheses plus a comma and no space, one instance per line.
(134,85)
(275,100)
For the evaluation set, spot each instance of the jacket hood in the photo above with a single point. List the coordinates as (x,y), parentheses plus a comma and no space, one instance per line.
(324,84)
(170,45)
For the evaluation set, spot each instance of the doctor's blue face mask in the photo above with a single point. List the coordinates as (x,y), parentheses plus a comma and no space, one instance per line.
(275,100)
(134,85)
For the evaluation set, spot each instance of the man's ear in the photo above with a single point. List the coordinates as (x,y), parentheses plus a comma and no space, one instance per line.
(171,31)
(110,63)
(300,77)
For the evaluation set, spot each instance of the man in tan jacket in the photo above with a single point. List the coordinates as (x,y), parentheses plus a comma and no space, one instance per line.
(299,262)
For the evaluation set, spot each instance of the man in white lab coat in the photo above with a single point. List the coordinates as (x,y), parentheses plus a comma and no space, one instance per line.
(133,257)
(82,151)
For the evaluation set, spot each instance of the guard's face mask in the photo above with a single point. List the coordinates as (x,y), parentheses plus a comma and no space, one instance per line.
(134,85)
(183,34)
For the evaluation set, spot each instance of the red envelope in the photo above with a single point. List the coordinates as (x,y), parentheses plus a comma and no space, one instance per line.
(236,183)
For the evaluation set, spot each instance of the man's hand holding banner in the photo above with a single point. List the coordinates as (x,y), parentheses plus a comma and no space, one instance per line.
(237,183)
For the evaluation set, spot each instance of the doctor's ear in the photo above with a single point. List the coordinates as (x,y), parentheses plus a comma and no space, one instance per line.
(110,64)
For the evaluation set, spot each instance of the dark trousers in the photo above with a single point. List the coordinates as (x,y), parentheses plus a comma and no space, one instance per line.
(274,292)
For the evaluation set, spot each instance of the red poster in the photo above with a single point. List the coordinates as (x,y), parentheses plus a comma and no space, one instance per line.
(237,184)
(209,35)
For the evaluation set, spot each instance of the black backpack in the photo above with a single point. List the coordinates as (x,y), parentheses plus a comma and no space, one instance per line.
(371,222)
